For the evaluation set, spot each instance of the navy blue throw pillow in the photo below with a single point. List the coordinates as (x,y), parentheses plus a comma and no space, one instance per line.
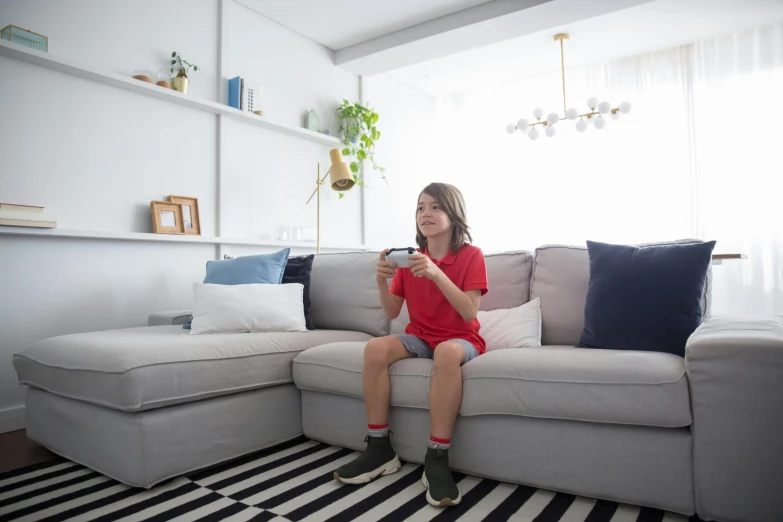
(645,298)
(298,270)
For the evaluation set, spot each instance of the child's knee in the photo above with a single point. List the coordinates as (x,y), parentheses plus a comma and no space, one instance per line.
(449,353)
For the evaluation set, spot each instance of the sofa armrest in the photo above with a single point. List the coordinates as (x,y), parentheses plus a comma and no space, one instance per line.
(735,373)
(171,317)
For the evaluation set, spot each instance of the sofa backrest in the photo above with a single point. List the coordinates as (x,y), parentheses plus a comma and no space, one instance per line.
(343,294)
(560,278)
(508,278)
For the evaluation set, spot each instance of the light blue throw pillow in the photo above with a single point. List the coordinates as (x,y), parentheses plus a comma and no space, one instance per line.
(259,269)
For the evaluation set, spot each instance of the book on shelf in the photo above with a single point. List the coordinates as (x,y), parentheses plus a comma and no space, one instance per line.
(234,92)
(27,218)
(20,208)
(27,223)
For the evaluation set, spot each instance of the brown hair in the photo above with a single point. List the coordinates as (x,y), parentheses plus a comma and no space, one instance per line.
(450,199)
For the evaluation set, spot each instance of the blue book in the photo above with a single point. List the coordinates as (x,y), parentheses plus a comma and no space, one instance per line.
(234,92)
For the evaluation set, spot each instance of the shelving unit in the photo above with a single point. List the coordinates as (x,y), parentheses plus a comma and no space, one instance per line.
(170,238)
(48,61)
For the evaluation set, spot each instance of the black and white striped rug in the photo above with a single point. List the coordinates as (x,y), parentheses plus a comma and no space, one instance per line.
(289,482)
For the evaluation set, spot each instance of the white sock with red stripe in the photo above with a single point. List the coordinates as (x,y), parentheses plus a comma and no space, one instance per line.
(378,430)
(437,443)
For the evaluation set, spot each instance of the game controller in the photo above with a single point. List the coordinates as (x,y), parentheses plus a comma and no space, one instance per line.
(400,256)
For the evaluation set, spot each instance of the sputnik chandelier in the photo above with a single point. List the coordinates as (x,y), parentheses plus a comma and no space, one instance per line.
(597,116)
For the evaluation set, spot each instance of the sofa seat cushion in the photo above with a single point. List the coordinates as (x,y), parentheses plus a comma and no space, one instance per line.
(337,368)
(143,368)
(594,385)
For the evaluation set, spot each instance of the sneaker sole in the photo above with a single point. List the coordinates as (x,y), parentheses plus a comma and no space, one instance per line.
(393,466)
(443,502)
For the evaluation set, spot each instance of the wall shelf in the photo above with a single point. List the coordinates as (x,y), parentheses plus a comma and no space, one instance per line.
(170,238)
(42,59)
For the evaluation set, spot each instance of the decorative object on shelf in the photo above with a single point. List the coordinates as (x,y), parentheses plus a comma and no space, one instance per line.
(258,112)
(144,76)
(313,121)
(241,96)
(167,217)
(162,78)
(180,82)
(25,216)
(190,215)
(359,137)
(25,37)
(341,179)
(599,111)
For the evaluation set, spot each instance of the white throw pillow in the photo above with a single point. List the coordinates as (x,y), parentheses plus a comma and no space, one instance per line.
(247,308)
(518,327)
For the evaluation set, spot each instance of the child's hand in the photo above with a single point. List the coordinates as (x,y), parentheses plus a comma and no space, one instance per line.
(384,269)
(422,265)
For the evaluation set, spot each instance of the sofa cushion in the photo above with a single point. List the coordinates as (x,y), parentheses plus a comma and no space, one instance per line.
(560,277)
(344,296)
(337,368)
(563,382)
(142,368)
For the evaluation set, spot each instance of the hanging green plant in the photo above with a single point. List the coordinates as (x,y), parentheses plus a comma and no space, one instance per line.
(359,137)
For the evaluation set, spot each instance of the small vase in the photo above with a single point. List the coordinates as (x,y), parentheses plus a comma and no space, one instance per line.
(180,84)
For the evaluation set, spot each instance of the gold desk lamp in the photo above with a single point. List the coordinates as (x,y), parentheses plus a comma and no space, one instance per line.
(341,179)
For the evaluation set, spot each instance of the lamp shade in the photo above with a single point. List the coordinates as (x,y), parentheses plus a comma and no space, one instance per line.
(340,175)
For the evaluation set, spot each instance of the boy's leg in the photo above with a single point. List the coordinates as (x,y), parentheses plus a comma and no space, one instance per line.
(379,458)
(445,400)
(446,389)
(379,354)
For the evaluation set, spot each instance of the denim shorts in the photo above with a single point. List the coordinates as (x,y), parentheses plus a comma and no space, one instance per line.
(418,348)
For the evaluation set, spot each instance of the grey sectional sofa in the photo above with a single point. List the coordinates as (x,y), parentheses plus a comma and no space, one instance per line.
(701,434)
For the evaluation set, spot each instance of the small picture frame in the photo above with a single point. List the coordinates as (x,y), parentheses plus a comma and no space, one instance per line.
(167,217)
(190,216)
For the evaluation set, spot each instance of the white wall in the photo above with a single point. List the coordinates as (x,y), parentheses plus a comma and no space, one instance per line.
(96,156)
(269,176)
(405,123)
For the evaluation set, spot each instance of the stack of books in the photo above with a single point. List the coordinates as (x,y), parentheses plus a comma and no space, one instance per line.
(25,216)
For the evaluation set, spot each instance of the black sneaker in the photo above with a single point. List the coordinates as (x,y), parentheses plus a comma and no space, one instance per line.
(377,460)
(441,488)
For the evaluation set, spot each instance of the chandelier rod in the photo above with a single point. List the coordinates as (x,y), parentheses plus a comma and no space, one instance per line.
(561,37)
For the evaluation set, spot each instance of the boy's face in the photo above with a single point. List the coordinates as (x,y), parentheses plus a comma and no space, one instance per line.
(430,217)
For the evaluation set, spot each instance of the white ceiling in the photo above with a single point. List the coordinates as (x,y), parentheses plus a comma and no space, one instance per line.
(652,26)
(341,23)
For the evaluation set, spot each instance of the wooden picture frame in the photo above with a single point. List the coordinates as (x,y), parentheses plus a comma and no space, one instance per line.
(191,218)
(167,217)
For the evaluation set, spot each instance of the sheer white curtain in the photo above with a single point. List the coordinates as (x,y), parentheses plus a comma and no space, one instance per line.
(699,156)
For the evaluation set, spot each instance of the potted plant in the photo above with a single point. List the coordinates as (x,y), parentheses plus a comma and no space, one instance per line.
(180,82)
(359,137)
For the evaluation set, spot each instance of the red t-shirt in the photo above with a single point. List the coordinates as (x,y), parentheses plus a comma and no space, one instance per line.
(433,318)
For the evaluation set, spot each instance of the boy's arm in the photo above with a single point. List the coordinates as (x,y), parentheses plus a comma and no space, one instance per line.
(465,303)
(392,304)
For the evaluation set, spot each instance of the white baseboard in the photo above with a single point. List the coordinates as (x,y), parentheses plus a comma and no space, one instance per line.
(12,419)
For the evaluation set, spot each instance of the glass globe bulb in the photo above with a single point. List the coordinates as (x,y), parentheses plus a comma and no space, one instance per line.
(604,107)
(615,114)
(625,107)
(550,131)
(600,122)
(538,113)
(581,125)
(592,102)
(572,114)
(511,128)
(533,134)
(552,118)
(589,119)
(522,125)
